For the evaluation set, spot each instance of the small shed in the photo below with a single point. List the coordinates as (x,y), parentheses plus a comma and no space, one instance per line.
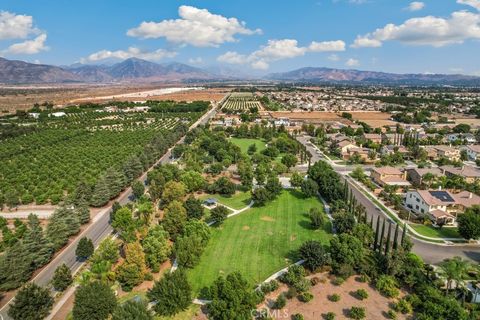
(210,202)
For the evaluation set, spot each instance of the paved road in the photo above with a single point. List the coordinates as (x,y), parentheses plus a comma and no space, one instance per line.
(430,252)
(98,229)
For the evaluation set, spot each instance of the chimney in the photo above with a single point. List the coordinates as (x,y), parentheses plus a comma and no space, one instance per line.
(470,195)
(439,188)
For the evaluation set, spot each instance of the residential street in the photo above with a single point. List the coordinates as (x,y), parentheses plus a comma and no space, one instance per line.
(97,230)
(430,252)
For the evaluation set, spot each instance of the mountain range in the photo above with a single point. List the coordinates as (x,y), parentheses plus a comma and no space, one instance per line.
(138,70)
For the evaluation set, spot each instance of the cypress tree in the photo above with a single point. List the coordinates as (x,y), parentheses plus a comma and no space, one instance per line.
(36,243)
(380,246)
(377,233)
(395,236)
(387,245)
(365,218)
(404,233)
(371,223)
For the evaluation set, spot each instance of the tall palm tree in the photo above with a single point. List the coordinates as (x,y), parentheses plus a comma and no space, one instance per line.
(454,269)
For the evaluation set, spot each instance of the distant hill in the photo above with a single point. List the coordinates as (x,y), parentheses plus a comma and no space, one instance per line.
(327,75)
(15,71)
(138,70)
(130,70)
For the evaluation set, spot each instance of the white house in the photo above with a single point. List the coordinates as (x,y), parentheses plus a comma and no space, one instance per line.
(468,137)
(34,115)
(282,121)
(432,203)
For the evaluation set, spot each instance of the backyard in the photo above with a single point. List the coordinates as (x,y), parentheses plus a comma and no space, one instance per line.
(259,241)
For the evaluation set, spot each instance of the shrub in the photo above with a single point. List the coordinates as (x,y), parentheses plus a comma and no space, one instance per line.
(314,281)
(334,297)
(392,314)
(305,297)
(297,316)
(330,316)
(361,294)
(269,286)
(364,278)
(302,285)
(314,254)
(293,275)
(291,292)
(357,313)
(387,285)
(403,306)
(338,281)
(280,302)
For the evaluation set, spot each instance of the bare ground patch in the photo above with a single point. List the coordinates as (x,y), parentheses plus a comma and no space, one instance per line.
(267,218)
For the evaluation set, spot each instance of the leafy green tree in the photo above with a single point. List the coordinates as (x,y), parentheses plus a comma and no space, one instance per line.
(174,219)
(138,189)
(173,191)
(273,186)
(309,188)
(194,208)
(172,293)
(289,160)
(106,251)
(317,218)
(343,221)
(132,310)
(252,149)
(454,269)
(357,313)
(364,233)
(132,271)
(36,244)
(94,301)
(469,223)
(223,186)
(32,302)
(296,180)
(193,180)
(245,171)
(346,249)
(15,267)
(62,224)
(83,213)
(85,248)
(156,247)
(232,298)
(62,278)
(314,254)
(219,214)
(260,196)
(124,223)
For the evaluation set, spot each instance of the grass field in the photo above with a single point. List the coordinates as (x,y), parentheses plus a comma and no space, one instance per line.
(430,231)
(238,201)
(259,241)
(244,143)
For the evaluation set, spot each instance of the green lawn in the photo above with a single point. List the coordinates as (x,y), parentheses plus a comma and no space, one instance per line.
(245,143)
(259,241)
(238,201)
(430,231)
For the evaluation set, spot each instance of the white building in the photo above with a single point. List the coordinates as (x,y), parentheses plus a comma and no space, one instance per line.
(473,152)
(59,114)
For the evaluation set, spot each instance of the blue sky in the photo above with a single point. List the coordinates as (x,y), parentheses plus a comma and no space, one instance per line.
(438,36)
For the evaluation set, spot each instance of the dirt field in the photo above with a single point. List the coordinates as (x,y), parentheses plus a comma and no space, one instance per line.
(376,305)
(24,97)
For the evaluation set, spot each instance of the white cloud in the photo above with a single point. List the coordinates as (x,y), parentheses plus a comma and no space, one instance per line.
(333,57)
(129,53)
(29,46)
(472,3)
(197,60)
(197,27)
(278,50)
(416,6)
(429,30)
(13,26)
(233,57)
(327,46)
(352,62)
